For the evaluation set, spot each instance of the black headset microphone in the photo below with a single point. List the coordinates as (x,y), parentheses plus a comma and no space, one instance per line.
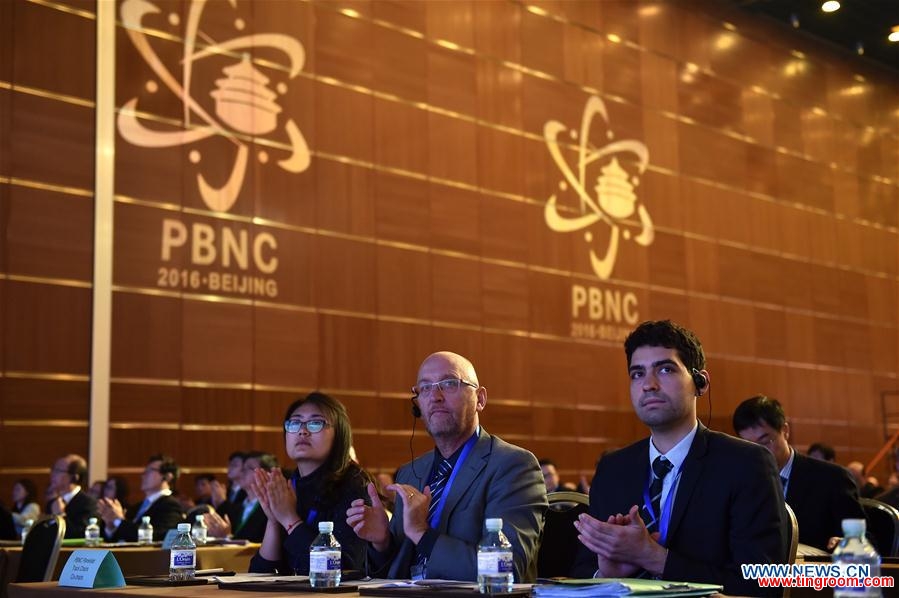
(700,382)
(416,415)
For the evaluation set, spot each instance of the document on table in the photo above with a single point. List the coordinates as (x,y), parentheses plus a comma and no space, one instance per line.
(245,577)
(645,588)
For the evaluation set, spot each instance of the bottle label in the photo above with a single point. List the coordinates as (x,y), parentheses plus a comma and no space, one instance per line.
(183,559)
(491,563)
(323,561)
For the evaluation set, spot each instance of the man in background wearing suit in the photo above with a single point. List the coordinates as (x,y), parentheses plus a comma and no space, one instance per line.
(821,494)
(77,507)
(444,496)
(686,504)
(244,521)
(164,510)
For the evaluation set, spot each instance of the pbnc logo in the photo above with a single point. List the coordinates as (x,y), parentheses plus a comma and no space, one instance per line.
(600,188)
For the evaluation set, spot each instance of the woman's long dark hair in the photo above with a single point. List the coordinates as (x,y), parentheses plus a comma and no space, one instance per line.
(30,493)
(338,464)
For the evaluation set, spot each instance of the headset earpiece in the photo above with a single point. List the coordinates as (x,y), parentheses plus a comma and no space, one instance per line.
(699,380)
(416,410)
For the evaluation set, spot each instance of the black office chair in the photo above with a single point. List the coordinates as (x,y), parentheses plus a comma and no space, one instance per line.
(883,525)
(559,544)
(41,549)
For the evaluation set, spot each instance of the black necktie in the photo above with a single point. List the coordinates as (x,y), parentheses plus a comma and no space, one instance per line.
(660,468)
(437,485)
(783,482)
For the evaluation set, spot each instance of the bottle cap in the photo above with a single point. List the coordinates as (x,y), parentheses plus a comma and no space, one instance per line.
(854,527)
(325,527)
(184,527)
(494,525)
(92,521)
(145,519)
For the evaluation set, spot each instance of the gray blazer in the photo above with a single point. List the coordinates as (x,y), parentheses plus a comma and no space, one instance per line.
(497,479)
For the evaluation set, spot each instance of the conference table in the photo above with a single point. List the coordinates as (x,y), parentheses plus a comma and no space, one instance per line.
(137,560)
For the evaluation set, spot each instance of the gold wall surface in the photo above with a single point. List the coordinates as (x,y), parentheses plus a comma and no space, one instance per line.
(317,194)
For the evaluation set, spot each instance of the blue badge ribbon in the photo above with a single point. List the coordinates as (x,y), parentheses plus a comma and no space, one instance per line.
(435,517)
(667,504)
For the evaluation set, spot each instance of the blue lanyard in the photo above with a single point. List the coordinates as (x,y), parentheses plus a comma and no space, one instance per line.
(666,507)
(435,517)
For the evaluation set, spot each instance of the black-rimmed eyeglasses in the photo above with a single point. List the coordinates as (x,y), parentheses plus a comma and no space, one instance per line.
(313,426)
(446,386)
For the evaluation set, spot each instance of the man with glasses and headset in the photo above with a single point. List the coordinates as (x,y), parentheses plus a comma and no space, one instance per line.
(444,496)
(66,477)
(164,510)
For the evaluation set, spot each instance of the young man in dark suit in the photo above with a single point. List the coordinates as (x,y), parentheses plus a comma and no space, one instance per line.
(77,507)
(821,494)
(686,504)
(164,510)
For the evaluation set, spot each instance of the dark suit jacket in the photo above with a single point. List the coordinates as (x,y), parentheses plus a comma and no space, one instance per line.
(78,510)
(165,513)
(728,509)
(497,479)
(7,527)
(253,529)
(822,495)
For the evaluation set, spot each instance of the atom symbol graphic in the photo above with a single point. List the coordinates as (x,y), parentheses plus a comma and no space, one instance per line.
(620,165)
(243,100)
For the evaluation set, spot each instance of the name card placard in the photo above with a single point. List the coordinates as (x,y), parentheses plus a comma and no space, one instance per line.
(92,569)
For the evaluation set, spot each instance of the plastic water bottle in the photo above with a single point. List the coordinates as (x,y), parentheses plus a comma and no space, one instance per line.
(183,556)
(324,558)
(26,528)
(495,568)
(199,531)
(854,549)
(92,533)
(145,531)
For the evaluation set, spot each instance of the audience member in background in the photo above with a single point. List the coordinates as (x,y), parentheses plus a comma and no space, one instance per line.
(317,436)
(157,484)
(822,452)
(246,521)
(24,503)
(550,475)
(821,494)
(96,489)
(686,504)
(223,499)
(867,486)
(116,488)
(77,507)
(445,495)
(235,476)
(203,488)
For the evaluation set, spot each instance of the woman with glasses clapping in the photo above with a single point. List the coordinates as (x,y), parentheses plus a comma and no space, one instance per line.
(318,438)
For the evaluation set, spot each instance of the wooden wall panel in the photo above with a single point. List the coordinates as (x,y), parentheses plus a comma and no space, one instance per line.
(420,224)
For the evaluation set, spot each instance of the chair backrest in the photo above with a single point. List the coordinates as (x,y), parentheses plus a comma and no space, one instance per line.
(41,549)
(883,525)
(559,544)
(794,533)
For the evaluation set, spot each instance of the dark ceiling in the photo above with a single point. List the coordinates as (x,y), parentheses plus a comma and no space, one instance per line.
(865,21)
